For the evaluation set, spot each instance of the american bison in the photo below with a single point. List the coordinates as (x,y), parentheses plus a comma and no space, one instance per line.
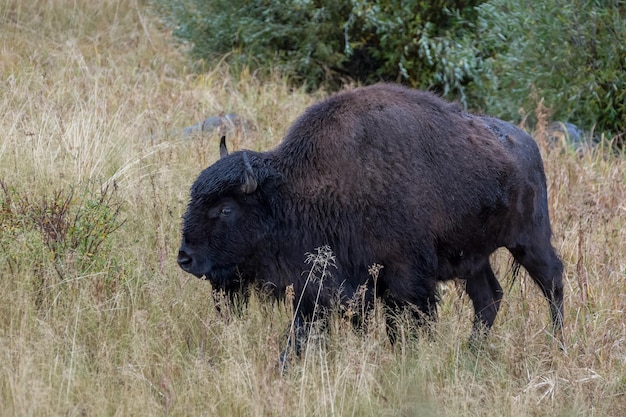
(382,175)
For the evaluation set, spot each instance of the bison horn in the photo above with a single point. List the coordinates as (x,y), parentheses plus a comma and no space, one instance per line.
(223,149)
(250,184)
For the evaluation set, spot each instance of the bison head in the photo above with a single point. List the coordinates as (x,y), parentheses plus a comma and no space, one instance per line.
(229,217)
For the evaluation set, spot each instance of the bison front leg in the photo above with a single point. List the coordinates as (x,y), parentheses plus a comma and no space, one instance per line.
(299,335)
(485,292)
(295,339)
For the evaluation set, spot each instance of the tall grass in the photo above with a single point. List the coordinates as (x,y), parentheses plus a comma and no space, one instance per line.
(92,97)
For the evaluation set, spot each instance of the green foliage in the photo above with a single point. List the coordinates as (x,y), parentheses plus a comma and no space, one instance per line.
(415,42)
(327,42)
(499,56)
(297,37)
(571,55)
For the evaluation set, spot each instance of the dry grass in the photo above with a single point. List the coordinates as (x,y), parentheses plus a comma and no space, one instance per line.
(93,93)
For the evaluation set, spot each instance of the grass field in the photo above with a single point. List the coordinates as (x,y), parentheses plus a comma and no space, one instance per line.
(96,318)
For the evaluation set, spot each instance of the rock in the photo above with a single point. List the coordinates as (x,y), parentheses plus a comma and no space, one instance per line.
(222,124)
(568,135)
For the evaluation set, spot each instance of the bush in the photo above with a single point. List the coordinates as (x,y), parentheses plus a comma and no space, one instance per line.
(500,56)
(295,37)
(571,55)
(327,42)
(415,42)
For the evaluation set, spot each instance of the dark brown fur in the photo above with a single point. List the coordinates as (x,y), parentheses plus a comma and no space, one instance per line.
(383,175)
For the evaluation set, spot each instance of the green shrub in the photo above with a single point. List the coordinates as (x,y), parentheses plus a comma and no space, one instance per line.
(500,56)
(423,43)
(295,37)
(327,42)
(571,55)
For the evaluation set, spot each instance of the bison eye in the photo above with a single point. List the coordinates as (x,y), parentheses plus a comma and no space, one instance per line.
(226,211)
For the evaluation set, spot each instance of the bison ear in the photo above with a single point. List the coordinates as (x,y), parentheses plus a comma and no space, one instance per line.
(250,183)
(223,149)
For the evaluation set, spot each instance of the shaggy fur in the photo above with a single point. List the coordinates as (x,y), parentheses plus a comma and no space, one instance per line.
(383,175)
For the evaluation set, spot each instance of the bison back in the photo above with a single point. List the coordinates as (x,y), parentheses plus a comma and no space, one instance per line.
(400,158)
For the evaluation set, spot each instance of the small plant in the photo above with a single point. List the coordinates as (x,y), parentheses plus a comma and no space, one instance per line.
(65,221)
(67,228)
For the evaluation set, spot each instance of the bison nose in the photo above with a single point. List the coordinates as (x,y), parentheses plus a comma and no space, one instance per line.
(184,260)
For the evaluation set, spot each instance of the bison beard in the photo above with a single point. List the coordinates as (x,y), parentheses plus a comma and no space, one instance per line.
(382,175)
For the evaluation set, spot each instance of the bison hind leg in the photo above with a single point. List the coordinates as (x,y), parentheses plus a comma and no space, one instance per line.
(485,291)
(546,269)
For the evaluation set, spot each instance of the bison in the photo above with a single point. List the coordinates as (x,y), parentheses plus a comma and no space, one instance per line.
(382,175)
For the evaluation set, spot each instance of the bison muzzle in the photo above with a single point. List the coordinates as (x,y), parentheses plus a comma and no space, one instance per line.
(382,175)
